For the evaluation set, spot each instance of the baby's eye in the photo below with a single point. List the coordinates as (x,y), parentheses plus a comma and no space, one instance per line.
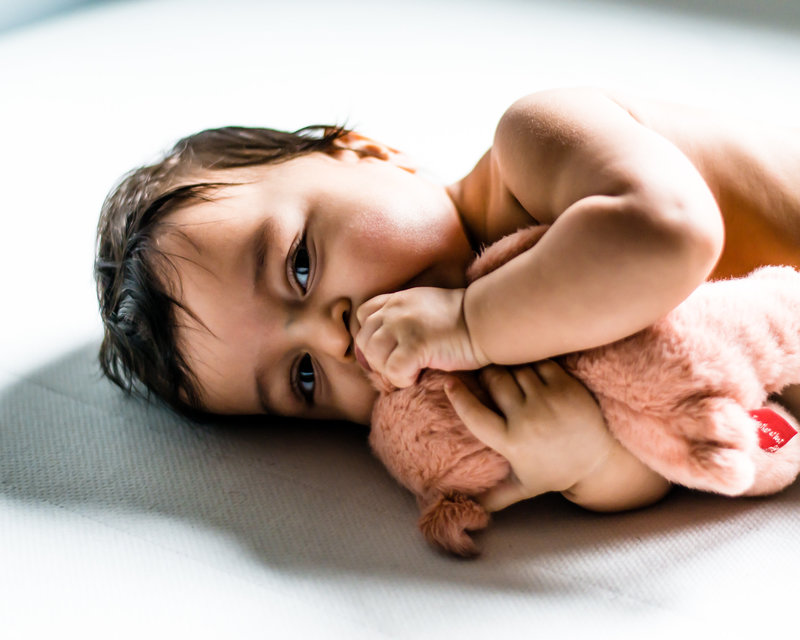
(301,266)
(304,379)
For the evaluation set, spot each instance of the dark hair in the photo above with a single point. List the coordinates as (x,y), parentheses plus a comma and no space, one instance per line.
(136,306)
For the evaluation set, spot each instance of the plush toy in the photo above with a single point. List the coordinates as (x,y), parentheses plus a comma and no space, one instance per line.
(687,396)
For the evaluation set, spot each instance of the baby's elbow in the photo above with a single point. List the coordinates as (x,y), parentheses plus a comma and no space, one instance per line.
(703,235)
(683,238)
(692,226)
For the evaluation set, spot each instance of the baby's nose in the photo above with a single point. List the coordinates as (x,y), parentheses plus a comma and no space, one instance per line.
(335,332)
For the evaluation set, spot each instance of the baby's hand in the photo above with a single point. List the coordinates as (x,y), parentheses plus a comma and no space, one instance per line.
(550,428)
(407,331)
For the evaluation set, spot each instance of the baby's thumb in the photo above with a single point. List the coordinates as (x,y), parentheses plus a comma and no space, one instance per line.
(503,495)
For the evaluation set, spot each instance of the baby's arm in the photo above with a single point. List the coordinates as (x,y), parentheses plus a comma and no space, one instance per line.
(553,434)
(635,229)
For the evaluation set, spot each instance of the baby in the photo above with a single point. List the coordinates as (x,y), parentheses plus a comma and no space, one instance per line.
(257,271)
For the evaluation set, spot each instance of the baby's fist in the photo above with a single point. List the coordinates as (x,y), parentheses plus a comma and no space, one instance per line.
(405,332)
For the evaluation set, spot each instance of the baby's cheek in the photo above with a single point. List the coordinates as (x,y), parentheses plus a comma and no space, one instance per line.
(401,225)
(356,398)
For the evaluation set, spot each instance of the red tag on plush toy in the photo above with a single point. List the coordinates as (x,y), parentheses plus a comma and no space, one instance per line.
(773,431)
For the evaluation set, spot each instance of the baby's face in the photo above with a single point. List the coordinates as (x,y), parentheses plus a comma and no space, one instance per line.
(276,267)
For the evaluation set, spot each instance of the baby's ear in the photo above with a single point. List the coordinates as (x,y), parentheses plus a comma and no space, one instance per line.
(354,145)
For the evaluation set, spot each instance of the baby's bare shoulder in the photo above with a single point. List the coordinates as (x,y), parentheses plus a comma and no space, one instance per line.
(556,147)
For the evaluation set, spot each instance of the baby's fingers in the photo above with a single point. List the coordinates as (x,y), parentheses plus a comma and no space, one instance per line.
(551,373)
(484,423)
(503,388)
(370,306)
(402,366)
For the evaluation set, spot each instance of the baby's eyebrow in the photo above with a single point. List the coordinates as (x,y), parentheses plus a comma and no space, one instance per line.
(262,239)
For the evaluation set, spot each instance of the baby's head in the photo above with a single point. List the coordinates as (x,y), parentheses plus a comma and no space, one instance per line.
(229,273)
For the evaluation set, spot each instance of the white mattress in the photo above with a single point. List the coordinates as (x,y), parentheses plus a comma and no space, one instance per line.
(122,520)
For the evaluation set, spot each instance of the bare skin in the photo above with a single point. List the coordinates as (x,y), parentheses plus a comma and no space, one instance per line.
(639,196)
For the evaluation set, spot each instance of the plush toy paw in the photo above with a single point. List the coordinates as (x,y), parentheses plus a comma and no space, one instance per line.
(718,446)
(778,456)
(708,446)
(756,453)
(720,451)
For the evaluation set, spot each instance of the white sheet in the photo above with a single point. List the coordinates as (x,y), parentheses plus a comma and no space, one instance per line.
(121,520)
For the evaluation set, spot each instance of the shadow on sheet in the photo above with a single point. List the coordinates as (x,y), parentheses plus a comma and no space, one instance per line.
(303,497)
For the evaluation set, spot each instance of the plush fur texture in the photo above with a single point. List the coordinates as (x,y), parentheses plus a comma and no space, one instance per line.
(676,395)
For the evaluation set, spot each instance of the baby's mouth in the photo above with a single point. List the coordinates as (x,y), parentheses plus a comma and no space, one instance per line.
(361,359)
(354,329)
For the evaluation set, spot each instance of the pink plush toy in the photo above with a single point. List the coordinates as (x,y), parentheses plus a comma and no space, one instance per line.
(688,396)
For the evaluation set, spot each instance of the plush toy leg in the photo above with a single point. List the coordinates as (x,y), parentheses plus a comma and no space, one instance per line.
(719,449)
(777,460)
(708,447)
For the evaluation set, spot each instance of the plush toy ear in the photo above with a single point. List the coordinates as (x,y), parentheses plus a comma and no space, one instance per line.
(446,520)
